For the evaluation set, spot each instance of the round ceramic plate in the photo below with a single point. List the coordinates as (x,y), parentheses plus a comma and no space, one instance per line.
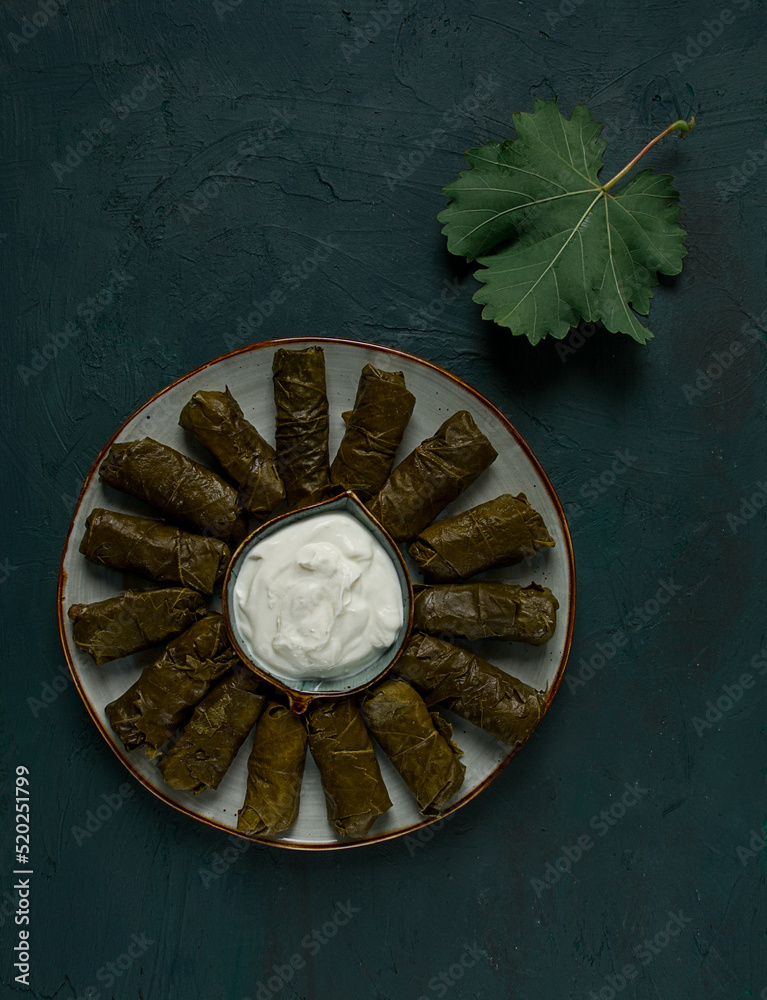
(248,373)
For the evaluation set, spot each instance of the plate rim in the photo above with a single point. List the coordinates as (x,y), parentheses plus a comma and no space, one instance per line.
(425,820)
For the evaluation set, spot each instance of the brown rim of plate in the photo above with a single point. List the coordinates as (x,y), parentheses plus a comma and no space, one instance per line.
(300,700)
(427,820)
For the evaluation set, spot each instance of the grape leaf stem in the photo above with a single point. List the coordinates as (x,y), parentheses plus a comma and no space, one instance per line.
(681,125)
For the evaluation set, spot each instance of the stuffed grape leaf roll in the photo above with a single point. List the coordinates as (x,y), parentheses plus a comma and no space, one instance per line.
(463,682)
(182,490)
(218,728)
(275,773)
(301,401)
(432,476)
(216,420)
(154,550)
(486,610)
(374,430)
(426,758)
(496,533)
(135,620)
(164,696)
(355,793)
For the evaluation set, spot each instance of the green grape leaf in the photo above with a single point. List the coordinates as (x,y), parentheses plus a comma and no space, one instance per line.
(556,246)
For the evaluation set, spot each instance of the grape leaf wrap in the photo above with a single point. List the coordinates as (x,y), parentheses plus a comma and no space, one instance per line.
(164,696)
(182,490)
(487,610)
(135,620)
(216,420)
(427,761)
(219,726)
(154,550)
(496,533)
(374,430)
(432,476)
(478,691)
(301,401)
(275,773)
(355,793)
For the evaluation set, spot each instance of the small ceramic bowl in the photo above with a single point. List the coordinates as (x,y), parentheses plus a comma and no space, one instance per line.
(302,693)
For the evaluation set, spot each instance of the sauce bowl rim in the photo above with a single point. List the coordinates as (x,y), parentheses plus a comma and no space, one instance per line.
(300,699)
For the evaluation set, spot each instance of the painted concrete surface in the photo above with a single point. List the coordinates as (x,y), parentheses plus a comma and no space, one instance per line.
(166,168)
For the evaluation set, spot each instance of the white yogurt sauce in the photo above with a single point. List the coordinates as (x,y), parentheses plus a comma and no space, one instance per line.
(318,598)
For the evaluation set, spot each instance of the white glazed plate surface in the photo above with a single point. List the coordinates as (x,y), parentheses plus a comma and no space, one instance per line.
(248,374)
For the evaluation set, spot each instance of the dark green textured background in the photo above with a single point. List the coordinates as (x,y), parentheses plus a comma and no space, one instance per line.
(323,123)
